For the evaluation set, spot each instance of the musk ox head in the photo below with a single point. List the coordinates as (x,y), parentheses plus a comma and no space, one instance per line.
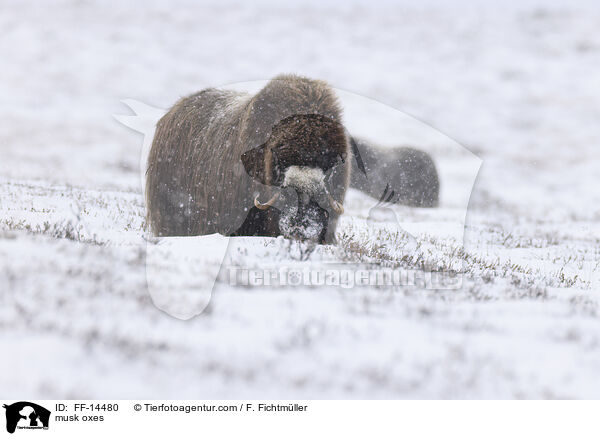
(302,165)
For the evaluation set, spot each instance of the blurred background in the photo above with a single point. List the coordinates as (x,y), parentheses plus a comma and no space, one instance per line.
(514,83)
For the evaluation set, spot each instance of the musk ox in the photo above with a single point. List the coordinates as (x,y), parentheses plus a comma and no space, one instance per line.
(401,175)
(274,163)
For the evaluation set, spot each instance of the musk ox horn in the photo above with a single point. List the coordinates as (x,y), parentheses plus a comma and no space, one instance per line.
(335,205)
(268,204)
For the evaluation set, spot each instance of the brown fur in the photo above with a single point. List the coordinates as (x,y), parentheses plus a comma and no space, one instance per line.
(197,182)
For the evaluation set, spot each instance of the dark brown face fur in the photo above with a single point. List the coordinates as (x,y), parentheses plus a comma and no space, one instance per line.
(300,157)
(311,140)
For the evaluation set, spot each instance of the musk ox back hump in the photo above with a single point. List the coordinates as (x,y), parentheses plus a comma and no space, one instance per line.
(192,175)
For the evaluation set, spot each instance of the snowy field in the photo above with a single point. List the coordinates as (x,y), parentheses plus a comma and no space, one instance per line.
(515,88)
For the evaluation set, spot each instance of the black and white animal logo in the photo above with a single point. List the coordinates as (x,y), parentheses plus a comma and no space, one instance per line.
(26,415)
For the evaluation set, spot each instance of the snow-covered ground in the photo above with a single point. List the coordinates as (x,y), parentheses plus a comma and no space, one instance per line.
(516,84)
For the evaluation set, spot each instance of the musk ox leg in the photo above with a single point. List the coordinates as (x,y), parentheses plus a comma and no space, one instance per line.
(329,236)
(260,223)
(409,173)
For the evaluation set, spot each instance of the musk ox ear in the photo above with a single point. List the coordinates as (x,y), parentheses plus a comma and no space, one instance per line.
(355,151)
(254,163)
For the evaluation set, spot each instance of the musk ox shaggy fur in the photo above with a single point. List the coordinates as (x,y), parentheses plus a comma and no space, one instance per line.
(401,175)
(274,163)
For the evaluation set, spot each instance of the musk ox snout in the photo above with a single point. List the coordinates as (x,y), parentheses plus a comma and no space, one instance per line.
(307,221)
(305,215)
(304,204)
(311,184)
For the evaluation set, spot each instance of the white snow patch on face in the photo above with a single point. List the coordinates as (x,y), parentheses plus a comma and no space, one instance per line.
(309,227)
(304,179)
